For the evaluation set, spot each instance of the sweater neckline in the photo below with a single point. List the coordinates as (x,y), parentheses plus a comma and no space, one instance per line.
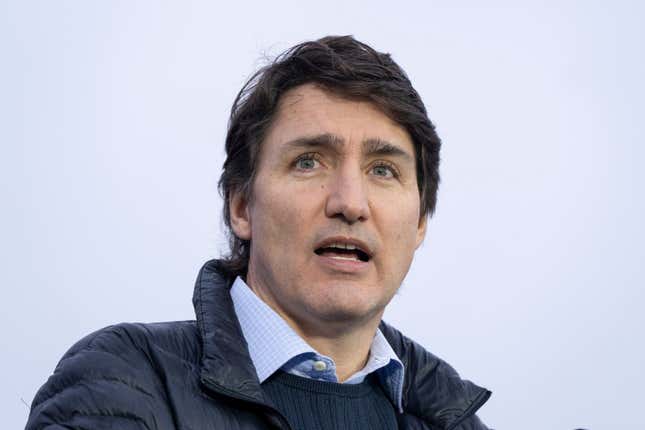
(361,389)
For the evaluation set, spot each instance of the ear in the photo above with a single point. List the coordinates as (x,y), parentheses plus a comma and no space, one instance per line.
(238,209)
(421,229)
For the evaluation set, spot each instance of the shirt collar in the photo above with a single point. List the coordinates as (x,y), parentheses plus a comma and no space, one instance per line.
(274,345)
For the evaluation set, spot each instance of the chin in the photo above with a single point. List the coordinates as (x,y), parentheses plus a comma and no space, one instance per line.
(347,312)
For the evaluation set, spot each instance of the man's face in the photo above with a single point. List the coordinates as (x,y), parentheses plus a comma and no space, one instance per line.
(334,217)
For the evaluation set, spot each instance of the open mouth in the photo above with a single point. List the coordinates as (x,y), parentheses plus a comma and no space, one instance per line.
(343,251)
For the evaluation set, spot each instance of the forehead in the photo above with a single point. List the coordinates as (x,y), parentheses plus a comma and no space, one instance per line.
(309,110)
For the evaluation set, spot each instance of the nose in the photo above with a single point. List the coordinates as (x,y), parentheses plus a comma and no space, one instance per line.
(347,197)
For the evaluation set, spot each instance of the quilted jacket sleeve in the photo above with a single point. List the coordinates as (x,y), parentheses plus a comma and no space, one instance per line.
(105,381)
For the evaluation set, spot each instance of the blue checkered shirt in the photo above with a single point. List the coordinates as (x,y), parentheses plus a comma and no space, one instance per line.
(274,345)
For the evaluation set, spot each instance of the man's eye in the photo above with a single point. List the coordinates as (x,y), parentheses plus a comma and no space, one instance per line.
(384,171)
(306,163)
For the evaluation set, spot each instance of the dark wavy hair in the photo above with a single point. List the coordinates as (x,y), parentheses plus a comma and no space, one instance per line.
(345,67)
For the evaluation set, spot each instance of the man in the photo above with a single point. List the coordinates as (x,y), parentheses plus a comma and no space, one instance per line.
(331,173)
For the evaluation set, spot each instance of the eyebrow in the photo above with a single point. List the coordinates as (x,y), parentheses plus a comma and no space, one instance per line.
(371,146)
(325,140)
(382,147)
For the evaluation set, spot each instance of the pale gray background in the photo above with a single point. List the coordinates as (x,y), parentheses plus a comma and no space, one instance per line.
(530,281)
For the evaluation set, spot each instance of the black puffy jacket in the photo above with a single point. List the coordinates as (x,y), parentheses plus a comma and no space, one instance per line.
(197,375)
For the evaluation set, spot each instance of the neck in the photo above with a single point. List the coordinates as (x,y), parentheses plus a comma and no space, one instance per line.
(348,348)
(345,340)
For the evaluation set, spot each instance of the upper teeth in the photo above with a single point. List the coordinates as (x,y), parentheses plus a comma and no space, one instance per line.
(343,246)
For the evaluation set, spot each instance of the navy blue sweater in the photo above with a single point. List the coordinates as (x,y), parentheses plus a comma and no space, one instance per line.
(309,404)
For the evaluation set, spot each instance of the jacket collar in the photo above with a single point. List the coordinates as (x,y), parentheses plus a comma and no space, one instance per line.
(432,390)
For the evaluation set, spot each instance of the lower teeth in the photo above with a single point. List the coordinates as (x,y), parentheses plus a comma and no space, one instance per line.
(344,258)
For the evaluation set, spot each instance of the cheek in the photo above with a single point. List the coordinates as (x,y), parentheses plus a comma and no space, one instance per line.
(402,228)
(279,217)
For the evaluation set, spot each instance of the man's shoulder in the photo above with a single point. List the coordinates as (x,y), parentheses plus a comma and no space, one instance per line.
(434,390)
(119,371)
(177,338)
